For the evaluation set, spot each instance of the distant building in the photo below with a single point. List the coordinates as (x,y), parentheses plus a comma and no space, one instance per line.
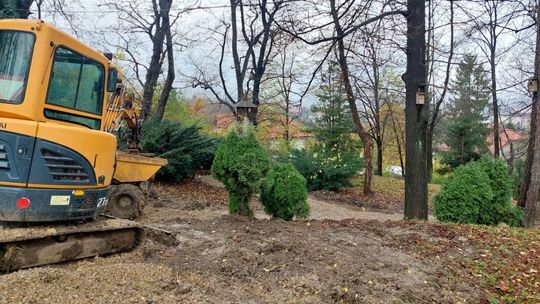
(222,122)
(506,140)
(298,134)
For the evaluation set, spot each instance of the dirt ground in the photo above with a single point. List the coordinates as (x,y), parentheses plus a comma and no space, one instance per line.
(340,254)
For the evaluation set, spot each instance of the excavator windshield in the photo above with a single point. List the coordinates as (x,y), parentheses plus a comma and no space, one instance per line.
(15,57)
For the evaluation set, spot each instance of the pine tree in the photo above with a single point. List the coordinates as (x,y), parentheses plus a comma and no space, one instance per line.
(336,156)
(335,127)
(466,132)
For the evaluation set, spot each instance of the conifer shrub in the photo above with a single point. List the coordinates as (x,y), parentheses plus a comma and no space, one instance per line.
(500,208)
(462,195)
(327,170)
(240,164)
(184,146)
(478,193)
(284,193)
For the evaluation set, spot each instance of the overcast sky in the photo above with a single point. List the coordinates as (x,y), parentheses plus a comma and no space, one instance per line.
(95,23)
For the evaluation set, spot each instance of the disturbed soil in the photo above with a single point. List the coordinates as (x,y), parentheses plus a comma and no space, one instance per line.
(196,253)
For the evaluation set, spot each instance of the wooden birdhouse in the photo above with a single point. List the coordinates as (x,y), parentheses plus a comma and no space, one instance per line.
(245,109)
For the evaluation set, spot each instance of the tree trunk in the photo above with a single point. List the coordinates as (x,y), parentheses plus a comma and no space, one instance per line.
(496,138)
(154,68)
(429,154)
(167,86)
(531,180)
(399,142)
(362,133)
(416,116)
(379,144)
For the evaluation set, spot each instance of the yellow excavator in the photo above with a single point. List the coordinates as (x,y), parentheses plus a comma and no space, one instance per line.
(61,104)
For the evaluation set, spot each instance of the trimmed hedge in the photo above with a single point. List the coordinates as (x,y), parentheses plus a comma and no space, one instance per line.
(240,164)
(284,193)
(478,193)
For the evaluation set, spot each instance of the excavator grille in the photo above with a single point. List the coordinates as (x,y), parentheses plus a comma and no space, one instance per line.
(4,161)
(63,167)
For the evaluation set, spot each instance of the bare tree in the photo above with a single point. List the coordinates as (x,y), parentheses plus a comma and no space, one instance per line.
(435,110)
(346,18)
(157,28)
(345,74)
(168,84)
(288,92)
(492,22)
(250,34)
(374,55)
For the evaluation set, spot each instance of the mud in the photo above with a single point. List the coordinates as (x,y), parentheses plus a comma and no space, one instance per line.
(203,255)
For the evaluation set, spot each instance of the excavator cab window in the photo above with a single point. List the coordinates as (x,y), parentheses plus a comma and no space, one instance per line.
(77,83)
(15,57)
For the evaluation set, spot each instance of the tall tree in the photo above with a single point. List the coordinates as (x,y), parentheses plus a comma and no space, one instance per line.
(374,56)
(416,113)
(440,99)
(364,135)
(466,132)
(528,197)
(489,25)
(250,34)
(133,17)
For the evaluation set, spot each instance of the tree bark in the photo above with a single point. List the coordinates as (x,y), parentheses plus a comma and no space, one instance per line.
(379,144)
(528,197)
(416,116)
(154,68)
(167,86)
(496,137)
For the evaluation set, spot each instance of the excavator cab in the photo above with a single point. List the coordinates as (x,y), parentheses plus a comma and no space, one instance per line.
(56,158)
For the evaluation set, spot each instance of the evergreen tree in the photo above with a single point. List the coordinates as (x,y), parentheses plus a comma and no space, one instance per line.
(466,132)
(334,125)
(336,156)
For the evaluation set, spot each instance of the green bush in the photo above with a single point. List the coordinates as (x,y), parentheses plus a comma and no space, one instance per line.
(184,147)
(327,170)
(240,164)
(462,195)
(478,193)
(500,208)
(284,193)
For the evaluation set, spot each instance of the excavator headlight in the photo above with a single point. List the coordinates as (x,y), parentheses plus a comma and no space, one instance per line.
(23,203)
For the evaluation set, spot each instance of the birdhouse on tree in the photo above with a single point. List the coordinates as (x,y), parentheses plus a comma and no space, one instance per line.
(246,109)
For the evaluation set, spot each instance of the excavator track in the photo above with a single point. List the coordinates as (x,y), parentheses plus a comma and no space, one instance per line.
(24,247)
